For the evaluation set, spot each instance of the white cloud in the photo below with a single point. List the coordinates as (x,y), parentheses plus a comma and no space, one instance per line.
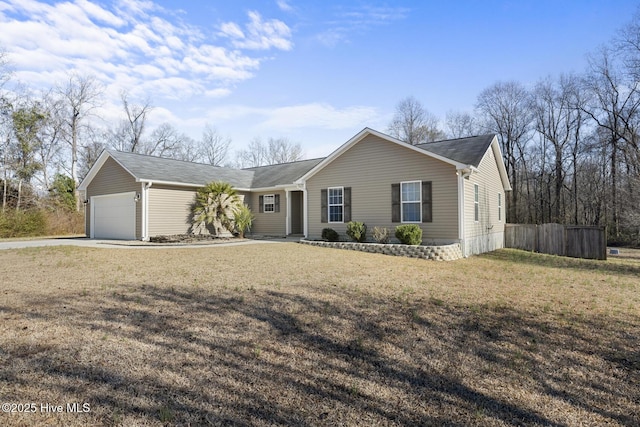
(258,34)
(134,45)
(317,115)
(304,116)
(360,20)
(232,30)
(284,6)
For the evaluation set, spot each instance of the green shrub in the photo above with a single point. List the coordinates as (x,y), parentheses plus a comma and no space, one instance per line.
(380,234)
(330,235)
(409,234)
(23,223)
(63,192)
(357,231)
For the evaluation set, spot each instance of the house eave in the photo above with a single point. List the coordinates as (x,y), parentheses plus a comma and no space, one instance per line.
(181,184)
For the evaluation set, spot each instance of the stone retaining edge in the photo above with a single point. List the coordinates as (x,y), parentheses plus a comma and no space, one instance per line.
(450,252)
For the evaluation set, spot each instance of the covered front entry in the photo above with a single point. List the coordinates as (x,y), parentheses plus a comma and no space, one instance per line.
(296,210)
(113,216)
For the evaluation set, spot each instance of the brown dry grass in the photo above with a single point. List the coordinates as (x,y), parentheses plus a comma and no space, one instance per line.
(296,335)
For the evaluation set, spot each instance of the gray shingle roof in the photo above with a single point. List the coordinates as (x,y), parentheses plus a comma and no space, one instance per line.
(285,173)
(468,151)
(152,168)
(169,170)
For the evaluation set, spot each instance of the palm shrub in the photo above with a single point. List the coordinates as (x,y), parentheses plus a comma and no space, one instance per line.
(357,231)
(243,218)
(409,234)
(215,205)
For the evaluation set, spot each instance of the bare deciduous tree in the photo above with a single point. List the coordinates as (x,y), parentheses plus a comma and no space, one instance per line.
(461,124)
(413,124)
(164,141)
(556,121)
(505,110)
(276,150)
(81,95)
(134,125)
(51,134)
(214,147)
(614,106)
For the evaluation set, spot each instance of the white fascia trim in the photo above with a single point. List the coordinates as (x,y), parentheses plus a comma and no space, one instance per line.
(102,158)
(360,136)
(287,187)
(181,184)
(497,154)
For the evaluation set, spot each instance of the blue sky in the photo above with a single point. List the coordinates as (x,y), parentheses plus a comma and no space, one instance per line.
(314,72)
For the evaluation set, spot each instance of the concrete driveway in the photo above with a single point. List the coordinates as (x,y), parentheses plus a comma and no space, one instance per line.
(122,244)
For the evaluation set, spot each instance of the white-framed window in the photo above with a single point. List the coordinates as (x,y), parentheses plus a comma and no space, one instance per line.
(411,201)
(499,206)
(476,202)
(269,203)
(335,204)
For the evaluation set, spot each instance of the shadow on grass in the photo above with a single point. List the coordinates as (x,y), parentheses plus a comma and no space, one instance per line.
(146,354)
(520,256)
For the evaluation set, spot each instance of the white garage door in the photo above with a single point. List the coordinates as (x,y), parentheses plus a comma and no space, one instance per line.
(114,216)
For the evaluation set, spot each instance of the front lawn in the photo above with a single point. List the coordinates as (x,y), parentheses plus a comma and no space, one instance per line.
(289,334)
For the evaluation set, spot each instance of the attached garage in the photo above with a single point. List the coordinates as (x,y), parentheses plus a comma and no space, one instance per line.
(113,216)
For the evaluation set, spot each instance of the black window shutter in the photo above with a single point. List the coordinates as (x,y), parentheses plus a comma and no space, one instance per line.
(347,204)
(323,206)
(261,204)
(276,203)
(395,202)
(426,202)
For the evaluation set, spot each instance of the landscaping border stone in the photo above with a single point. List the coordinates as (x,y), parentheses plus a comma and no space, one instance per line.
(450,252)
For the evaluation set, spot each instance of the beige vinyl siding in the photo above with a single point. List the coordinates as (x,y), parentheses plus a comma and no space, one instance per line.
(488,228)
(170,210)
(111,179)
(272,223)
(370,167)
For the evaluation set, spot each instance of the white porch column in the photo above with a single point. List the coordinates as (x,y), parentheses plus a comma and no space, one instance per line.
(288,218)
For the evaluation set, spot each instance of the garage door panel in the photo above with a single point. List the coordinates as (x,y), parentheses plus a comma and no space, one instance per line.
(113,216)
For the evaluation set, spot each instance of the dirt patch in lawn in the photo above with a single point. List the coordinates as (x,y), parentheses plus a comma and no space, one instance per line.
(296,335)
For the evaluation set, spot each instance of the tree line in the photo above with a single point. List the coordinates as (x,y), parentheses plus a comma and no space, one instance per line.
(570,142)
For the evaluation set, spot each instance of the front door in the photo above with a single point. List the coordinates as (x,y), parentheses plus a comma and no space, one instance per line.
(297,212)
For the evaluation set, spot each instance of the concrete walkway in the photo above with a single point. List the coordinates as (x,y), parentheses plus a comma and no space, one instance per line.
(127,244)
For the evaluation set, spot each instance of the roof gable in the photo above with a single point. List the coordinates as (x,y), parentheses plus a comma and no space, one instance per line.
(368,131)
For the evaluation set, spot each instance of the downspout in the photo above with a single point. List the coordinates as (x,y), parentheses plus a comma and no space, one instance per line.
(145,210)
(305,204)
(462,175)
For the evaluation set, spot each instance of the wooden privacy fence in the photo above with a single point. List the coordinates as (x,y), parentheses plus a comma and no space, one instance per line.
(575,241)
